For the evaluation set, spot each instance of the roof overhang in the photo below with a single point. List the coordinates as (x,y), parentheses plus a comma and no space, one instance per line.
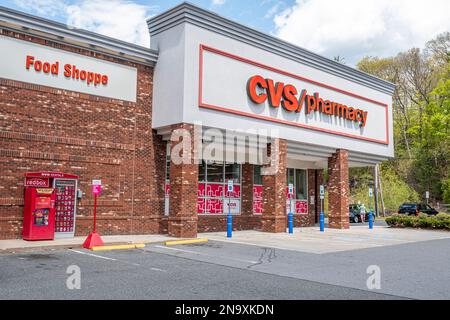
(312,156)
(58,32)
(191,14)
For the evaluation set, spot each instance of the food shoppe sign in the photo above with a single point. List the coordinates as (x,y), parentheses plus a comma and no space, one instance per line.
(37,64)
(296,97)
(71,71)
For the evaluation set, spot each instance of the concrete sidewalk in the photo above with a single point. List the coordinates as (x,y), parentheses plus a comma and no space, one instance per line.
(311,240)
(22,245)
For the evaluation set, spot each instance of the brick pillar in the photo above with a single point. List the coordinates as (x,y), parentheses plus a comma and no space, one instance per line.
(338,190)
(183,218)
(247,189)
(274,217)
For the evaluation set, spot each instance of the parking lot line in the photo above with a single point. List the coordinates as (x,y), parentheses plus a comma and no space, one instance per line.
(92,255)
(204,254)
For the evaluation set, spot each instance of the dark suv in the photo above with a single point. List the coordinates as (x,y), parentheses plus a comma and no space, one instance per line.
(413,209)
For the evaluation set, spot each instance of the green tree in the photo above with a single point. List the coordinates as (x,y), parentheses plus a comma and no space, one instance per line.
(395,190)
(421,121)
(433,149)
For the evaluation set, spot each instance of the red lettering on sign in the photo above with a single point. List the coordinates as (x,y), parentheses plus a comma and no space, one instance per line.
(286,95)
(254,83)
(290,102)
(275,92)
(29,62)
(70,71)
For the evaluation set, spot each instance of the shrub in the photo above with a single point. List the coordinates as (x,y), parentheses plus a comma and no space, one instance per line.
(441,221)
(443,216)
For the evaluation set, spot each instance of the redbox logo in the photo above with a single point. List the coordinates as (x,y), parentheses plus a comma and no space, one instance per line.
(37,182)
(261,90)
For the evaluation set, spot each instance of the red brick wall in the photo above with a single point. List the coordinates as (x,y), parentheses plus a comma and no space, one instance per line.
(183,189)
(274,218)
(338,190)
(247,190)
(43,128)
(208,223)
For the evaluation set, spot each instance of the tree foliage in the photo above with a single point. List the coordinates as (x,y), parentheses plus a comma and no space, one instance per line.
(421,108)
(396,191)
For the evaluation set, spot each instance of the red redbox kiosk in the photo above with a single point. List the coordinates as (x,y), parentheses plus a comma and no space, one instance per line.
(39,214)
(50,205)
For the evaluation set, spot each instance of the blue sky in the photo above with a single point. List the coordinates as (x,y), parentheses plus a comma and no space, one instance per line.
(350,29)
(256,14)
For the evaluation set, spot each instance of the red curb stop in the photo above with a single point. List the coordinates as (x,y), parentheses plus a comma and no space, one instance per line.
(93,240)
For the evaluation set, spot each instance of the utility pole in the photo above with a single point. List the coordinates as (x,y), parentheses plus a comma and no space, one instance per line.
(375,185)
(381,193)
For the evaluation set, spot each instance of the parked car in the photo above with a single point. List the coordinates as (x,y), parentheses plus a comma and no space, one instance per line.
(355,216)
(413,209)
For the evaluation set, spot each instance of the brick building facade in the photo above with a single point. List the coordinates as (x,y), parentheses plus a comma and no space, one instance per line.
(120,133)
(49,129)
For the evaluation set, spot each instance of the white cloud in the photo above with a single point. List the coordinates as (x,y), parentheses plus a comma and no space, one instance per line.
(115,18)
(273,10)
(43,7)
(119,19)
(218,2)
(355,28)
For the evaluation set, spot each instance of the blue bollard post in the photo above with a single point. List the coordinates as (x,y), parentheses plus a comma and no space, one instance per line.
(229,226)
(291,222)
(370,220)
(322,222)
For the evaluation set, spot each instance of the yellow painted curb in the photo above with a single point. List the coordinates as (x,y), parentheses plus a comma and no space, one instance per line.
(189,241)
(119,247)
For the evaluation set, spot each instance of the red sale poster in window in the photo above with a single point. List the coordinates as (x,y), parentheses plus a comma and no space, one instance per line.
(257,199)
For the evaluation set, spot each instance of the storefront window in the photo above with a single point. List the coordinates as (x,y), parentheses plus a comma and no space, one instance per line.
(300,184)
(257,190)
(168,170)
(168,162)
(214,172)
(202,171)
(233,172)
(290,176)
(297,177)
(257,177)
(213,197)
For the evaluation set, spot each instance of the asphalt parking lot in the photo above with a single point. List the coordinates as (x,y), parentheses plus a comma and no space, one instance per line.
(157,273)
(224,270)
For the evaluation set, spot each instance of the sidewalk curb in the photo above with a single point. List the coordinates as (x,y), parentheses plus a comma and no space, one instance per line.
(73,246)
(133,245)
